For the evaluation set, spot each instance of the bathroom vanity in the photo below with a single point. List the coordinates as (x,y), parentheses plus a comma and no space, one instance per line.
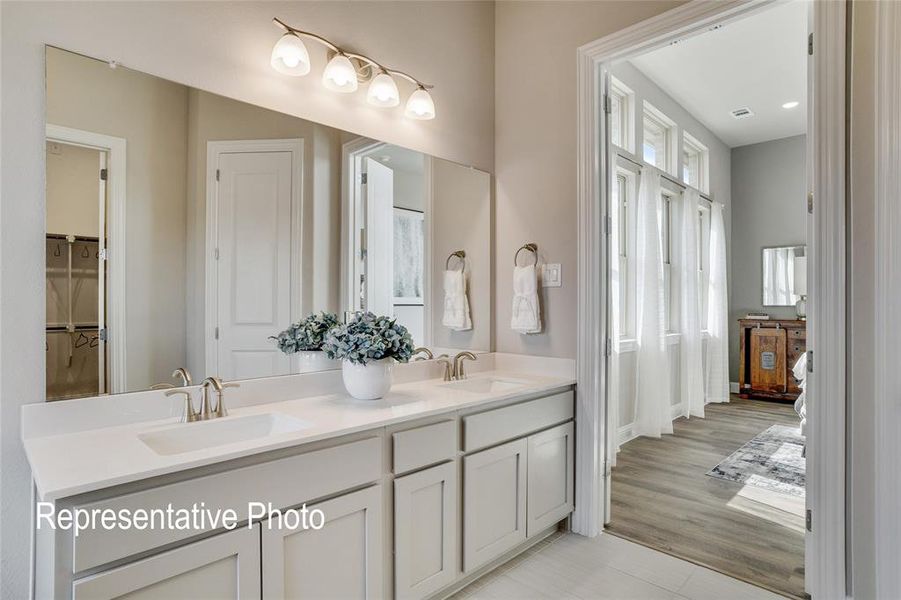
(422,491)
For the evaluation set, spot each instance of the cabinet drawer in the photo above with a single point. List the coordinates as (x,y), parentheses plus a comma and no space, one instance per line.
(495,426)
(284,482)
(424,446)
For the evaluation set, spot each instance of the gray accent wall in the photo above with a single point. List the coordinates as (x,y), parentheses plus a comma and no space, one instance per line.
(768,209)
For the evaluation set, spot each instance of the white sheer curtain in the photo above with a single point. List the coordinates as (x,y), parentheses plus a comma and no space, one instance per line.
(691,369)
(653,412)
(717,311)
(616,327)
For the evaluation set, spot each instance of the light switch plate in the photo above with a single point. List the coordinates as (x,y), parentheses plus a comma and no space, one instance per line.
(552,275)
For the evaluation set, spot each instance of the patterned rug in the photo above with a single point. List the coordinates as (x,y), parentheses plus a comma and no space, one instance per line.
(772,460)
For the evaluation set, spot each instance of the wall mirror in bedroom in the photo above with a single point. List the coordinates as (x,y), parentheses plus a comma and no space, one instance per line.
(186,229)
(784,270)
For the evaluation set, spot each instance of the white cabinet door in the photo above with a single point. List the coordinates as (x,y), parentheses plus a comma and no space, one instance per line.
(494,502)
(221,567)
(341,560)
(425,531)
(550,495)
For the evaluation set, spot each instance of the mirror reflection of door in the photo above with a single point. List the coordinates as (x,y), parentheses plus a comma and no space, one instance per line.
(392,215)
(252,259)
(75,275)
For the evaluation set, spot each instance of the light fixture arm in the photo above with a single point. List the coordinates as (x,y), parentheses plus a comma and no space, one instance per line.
(360,57)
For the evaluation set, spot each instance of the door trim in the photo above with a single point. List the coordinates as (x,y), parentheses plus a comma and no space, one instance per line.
(211,305)
(116,302)
(826,488)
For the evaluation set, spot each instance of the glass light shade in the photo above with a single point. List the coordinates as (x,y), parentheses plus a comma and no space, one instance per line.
(383,91)
(340,75)
(420,105)
(290,56)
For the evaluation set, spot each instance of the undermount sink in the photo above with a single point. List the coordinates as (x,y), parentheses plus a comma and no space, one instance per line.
(189,437)
(486,385)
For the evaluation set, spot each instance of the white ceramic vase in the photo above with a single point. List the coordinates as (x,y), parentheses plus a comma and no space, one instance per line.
(311,361)
(370,381)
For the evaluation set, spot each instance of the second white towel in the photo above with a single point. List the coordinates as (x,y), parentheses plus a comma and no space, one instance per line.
(526,310)
(456,303)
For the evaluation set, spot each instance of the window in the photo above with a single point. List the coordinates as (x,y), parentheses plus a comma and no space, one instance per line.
(657,142)
(666,231)
(695,161)
(621,114)
(623,196)
(703,260)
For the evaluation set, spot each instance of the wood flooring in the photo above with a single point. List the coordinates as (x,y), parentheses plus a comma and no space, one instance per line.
(663,499)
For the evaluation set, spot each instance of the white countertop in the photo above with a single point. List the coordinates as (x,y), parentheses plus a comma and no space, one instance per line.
(75,462)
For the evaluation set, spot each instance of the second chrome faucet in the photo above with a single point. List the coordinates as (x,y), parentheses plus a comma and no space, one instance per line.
(453,369)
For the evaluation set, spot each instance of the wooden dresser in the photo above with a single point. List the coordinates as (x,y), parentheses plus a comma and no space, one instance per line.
(769,350)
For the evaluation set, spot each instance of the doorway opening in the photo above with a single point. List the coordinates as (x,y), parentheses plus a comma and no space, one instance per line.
(705,139)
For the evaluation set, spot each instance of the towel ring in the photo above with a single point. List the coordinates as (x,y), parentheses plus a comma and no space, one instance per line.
(531,247)
(461,254)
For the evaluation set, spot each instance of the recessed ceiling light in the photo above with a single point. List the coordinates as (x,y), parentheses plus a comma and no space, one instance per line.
(791,104)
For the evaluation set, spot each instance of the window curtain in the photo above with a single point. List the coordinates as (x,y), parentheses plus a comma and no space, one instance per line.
(653,412)
(717,311)
(691,369)
(616,327)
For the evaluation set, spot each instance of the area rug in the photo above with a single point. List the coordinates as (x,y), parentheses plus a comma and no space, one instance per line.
(772,460)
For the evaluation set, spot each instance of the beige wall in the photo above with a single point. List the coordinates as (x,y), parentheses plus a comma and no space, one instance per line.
(151,114)
(461,216)
(535,149)
(73,189)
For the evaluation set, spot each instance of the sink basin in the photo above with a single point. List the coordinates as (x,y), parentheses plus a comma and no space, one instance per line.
(486,385)
(189,437)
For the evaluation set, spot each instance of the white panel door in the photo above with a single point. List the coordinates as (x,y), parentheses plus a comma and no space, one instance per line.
(425,531)
(342,560)
(254,265)
(379,263)
(494,502)
(222,567)
(550,480)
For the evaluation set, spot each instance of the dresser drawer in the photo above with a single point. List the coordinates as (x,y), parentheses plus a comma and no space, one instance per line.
(502,424)
(424,446)
(284,482)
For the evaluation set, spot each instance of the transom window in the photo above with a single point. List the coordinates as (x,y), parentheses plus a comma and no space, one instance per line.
(622,101)
(657,142)
(695,162)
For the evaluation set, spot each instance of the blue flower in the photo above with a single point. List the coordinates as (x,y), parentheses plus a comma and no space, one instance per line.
(368,337)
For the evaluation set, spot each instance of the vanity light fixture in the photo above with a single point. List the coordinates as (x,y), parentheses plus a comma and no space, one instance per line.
(346,70)
(792,104)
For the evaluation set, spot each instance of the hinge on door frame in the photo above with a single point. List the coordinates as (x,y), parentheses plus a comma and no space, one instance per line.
(364,178)
(216,333)
(608,225)
(103,334)
(216,253)
(104,174)
(808,520)
(103,254)
(607,107)
(810,44)
(608,470)
(810,203)
(608,347)
(810,361)
(217,174)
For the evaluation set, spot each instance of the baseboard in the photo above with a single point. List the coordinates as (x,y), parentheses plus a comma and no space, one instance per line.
(733,387)
(625,434)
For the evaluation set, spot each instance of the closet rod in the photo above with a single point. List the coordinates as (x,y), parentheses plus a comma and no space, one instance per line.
(78,238)
(64,328)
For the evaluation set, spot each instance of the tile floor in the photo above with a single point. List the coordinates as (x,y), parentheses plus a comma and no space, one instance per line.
(568,566)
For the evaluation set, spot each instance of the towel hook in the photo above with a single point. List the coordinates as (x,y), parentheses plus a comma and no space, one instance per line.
(531,247)
(461,254)
(85,253)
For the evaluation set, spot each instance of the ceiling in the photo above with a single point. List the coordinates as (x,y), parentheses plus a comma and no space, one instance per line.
(759,62)
(397,158)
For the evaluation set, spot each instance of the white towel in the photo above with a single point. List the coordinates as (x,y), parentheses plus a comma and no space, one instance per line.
(526,312)
(456,304)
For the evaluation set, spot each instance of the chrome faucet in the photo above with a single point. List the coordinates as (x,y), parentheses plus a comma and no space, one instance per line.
(426,351)
(445,360)
(458,363)
(188,415)
(206,412)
